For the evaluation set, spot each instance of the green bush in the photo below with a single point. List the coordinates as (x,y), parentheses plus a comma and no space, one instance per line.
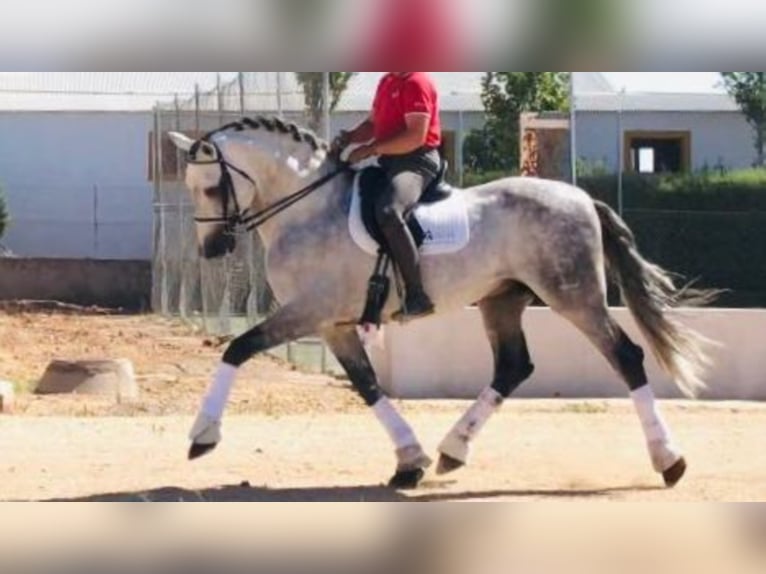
(705,191)
(3,214)
(709,226)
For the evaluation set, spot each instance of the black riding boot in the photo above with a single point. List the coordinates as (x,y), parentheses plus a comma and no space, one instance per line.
(417,303)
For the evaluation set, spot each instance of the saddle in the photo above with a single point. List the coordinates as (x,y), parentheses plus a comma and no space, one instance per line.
(371,181)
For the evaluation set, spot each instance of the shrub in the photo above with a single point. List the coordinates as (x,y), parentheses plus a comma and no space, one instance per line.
(4,217)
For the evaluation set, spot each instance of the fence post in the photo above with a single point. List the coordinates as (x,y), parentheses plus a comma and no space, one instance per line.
(241,81)
(280,105)
(459,151)
(326,105)
(158,159)
(197,131)
(620,155)
(155,238)
(573,126)
(95,221)
(219,98)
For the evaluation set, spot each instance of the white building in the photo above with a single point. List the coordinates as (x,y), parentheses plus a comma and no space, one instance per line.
(663,132)
(74,160)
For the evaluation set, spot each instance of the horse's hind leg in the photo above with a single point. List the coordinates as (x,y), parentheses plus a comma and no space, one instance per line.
(502,319)
(412,460)
(627,359)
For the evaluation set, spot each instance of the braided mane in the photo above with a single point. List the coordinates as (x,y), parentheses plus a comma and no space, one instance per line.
(274,125)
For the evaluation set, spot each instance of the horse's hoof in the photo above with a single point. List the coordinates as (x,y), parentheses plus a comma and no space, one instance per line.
(199,450)
(407,479)
(447,465)
(675,473)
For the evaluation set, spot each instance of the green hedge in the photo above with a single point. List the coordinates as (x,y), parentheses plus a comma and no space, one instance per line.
(3,214)
(705,191)
(735,191)
(710,227)
(725,250)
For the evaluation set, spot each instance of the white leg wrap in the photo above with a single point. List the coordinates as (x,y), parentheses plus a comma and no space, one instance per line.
(457,443)
(661,448)
(206,431)
(412,458)
(664,455)
(207,426)
(218,393)
(398,430)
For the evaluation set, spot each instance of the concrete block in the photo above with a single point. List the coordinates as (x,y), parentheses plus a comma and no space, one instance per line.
(108,378)
(7,397)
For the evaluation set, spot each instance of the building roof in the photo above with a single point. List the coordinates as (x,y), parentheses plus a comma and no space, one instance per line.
(98,91)
(141,91)
(592,83)
(459,90)
(656,102)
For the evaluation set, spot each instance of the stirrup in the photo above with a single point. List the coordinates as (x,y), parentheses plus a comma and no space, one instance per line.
(377,292)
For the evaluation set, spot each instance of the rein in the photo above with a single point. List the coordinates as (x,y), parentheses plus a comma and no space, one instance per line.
(255,220)
(240,216)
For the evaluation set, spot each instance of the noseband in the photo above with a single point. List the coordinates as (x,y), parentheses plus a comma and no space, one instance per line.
(230,218)
(238,217)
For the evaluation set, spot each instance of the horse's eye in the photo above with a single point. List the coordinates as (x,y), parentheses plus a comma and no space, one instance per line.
(211,192)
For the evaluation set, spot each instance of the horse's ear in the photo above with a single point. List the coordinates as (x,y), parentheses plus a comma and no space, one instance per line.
(182,142)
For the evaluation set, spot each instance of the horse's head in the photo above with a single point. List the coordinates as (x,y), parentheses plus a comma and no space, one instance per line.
(221,191)
(237,173)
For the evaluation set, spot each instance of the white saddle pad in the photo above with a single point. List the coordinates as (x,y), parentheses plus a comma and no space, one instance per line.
(445,225)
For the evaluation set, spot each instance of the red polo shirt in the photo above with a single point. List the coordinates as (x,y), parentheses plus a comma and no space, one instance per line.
(400,96)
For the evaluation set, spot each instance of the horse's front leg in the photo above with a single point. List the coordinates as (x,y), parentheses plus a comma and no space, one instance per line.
(412,461)
(288,324)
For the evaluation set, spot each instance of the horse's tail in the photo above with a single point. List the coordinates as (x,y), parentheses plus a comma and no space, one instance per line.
(650,293)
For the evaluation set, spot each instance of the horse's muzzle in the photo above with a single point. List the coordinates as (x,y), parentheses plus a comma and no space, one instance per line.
(218,245)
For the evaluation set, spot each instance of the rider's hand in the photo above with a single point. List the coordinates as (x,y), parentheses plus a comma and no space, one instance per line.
(362,153)
(340,143)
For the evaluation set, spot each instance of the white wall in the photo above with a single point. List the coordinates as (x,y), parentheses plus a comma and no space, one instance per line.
(449,357)
(716,137)
(50,165)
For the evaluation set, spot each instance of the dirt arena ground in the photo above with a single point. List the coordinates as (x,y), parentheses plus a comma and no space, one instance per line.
(298,437)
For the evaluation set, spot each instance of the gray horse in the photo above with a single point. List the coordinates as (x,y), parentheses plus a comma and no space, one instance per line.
(529,237)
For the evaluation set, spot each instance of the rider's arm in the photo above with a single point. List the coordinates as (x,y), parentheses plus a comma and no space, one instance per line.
(362,133)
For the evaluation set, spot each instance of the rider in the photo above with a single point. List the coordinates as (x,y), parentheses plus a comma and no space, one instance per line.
(405,131)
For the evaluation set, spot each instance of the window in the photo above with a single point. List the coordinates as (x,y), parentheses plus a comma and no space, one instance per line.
(646,163)
(658,152)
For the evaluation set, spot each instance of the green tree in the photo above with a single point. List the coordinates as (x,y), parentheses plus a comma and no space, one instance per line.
(749,91)
(4,217)
(311,82)
(506,95)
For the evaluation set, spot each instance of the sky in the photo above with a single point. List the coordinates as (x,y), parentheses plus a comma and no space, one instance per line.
(665,81)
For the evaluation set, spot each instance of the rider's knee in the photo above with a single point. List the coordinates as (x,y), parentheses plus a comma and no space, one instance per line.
(387,214)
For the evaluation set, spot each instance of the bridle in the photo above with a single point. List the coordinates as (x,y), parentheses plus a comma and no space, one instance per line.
(233,214)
